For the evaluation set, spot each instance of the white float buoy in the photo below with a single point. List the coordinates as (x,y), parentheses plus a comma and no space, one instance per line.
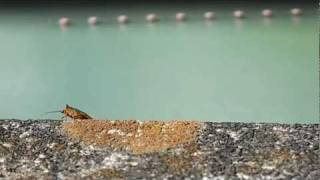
(267,13)
(209,15)
(181,16)
(152,18)
(64,21)
(123,19)
(296,11)
(239,14)
(93,20)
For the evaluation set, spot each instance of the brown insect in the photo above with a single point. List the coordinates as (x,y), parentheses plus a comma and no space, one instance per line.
(73,113)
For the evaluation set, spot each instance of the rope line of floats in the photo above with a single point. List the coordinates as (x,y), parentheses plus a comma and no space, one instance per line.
(179,16)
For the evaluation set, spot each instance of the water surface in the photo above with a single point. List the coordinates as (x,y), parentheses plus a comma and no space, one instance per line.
(254,70)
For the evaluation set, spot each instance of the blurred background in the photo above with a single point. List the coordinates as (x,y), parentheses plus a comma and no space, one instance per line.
(254,69)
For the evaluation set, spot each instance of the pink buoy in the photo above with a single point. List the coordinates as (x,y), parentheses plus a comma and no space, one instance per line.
(181,16)
(64,21)
(123,19)
(267,13)
(239,14)
(209,15)
(296,11)
(152,18)
(93,20)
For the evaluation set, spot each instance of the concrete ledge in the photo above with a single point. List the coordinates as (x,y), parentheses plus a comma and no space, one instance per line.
(44,149)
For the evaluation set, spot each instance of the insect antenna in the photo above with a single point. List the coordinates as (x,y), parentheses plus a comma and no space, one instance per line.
(60,111)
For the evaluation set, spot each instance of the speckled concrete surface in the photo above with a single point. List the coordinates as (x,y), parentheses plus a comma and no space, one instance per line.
(41,150)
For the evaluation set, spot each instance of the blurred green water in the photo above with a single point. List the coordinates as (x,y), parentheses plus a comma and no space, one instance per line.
(253,70)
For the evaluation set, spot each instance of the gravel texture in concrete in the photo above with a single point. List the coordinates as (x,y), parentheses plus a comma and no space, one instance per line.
(43,150)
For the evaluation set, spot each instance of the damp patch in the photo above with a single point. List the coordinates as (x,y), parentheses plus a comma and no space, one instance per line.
(133,136)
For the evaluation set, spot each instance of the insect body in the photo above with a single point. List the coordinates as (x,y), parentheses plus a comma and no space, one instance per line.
(73,113)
